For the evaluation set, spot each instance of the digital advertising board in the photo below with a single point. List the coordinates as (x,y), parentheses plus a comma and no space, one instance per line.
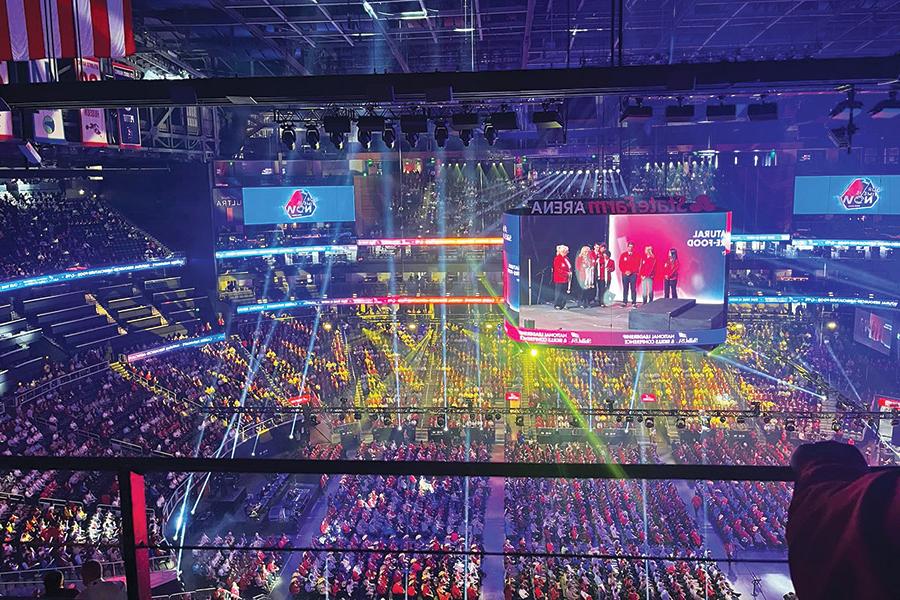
(874,329)
(298,204)
(847,195)
(647,280)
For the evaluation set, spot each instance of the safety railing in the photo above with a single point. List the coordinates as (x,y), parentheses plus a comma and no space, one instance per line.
(135,546)
(56,382)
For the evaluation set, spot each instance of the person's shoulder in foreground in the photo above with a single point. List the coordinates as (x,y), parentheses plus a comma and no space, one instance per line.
(843,529)
(95,587)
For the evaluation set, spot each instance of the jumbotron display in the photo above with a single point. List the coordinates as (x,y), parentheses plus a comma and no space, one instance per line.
(616,280)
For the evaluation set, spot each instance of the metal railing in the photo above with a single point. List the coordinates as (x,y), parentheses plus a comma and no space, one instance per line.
(56,382)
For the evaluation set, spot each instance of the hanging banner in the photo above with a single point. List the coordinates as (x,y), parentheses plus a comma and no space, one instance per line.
(48,124)
(128,120)
(93,120)
(6,122)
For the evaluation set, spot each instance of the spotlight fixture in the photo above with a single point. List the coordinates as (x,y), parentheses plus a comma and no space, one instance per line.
(649,423)
(762,111)
(288,136)
(441,133)
(490,134)
(465,136)
(336,126)
(835,426)
(886,109)
(312,136)
(847,108)
(680,423)
(313,420)
(497,416)
(364,137)
(389,136)
(635,113)
(547,118)
(412,139)
(721,111)
(790,426)
(440,421)
(842,137)
(573,422)
(618,418)
(520,421)
(505,120)
(679,113)
(357,415)
(464,123)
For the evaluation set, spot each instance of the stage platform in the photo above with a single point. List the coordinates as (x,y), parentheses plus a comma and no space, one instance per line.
(663,314)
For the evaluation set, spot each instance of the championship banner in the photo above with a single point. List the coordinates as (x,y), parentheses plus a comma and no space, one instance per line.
(48,124)
(93,120)
(128,119)
(6,122)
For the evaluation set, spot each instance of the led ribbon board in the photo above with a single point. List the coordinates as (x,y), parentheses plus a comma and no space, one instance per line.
(180,345)
(19,284)
(811,300)
(375,300)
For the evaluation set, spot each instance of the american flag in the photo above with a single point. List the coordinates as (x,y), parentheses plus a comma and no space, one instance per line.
(37,29)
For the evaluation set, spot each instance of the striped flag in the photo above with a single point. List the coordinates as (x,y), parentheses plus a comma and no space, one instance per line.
(36,29)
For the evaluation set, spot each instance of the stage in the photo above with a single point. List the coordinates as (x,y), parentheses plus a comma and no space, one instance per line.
(663,314)
(608,318)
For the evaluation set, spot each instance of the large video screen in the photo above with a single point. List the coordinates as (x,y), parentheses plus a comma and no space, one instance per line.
(874,329)
(619,280)
(301,204)
(847,194)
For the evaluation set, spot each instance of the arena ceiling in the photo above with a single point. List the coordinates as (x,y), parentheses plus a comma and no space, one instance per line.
(204,38)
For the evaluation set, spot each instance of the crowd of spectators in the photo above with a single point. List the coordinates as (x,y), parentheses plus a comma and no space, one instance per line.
(48,232)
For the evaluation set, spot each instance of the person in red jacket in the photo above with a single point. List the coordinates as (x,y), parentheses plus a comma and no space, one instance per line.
(605,267)
(647,272)
(562,276)
(842,525)
(629,263)
(670,275)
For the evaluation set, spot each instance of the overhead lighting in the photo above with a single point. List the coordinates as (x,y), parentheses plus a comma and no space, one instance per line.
(547,118)
(369,10)
(636,113)
(412,139)
(288,136)
(842,137)
(490,134)
(389,136)
(679,113)
(505,120)
(464,123)
(886,109)
(414,15)
(336,126)
(721,112)
(847,108)
(364,137)
(337,139)
(465,136)
(464,29)
(441,133)
(762,111)
(413,123)
(312,136)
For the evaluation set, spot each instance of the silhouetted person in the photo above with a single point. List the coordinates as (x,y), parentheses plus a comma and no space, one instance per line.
(53,586)
(95,587)
(843,529)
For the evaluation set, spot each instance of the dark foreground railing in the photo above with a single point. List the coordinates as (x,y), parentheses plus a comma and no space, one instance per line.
(131,470)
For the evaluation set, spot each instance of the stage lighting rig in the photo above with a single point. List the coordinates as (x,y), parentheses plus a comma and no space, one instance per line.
(336,126)
(412,125)
(364,137)
(848,108)
(441,133)
(312,135)
(635,113)
(886,109)
(389,136)
(490,134)
(464,123)
(288,136)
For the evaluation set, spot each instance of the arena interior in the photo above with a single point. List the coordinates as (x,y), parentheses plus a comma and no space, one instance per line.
(311,299)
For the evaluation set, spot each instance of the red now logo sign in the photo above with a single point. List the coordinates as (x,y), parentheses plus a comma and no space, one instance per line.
(301,204)
(648,397)
(513,396)
(861,193)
